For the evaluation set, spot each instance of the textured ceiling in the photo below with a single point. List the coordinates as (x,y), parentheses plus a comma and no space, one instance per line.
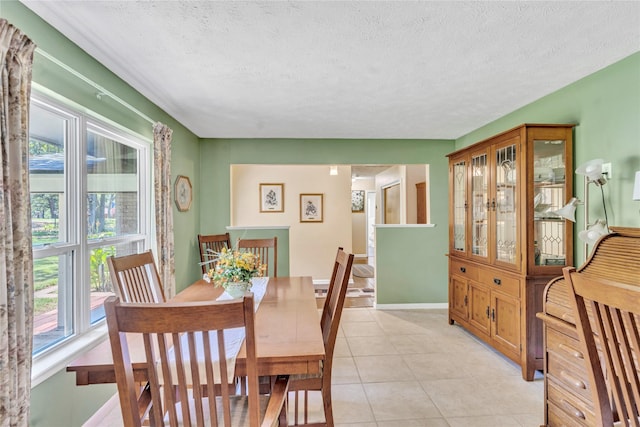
(331,69)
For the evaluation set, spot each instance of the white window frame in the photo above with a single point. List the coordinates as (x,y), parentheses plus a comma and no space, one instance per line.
(86,335)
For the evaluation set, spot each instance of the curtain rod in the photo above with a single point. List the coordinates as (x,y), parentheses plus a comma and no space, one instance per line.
(101,90)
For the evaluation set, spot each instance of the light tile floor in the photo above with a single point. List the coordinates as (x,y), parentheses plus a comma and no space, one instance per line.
(410,368)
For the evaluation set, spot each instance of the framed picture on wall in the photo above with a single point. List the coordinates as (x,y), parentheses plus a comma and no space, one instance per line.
(183,193)
(357,201)
(271,197)
(311,209)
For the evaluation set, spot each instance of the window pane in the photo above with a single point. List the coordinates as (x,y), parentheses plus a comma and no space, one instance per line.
(112,196)
(100,279)
(47,172)
(53,303)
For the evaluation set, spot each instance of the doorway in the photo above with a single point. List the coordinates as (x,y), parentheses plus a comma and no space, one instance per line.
(391,204)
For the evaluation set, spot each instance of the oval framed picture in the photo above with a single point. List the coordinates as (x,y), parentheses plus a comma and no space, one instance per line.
(183,193)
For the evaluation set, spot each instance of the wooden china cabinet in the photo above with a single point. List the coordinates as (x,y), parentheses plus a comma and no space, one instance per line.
(505,242)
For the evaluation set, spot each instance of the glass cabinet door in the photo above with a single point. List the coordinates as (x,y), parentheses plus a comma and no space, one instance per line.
(479,205)
(459,188)
(505,204)
(549,195)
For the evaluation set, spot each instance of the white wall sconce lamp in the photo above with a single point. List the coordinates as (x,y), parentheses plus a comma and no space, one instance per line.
(592,170)
(333,170)
(593,232)
(568,211)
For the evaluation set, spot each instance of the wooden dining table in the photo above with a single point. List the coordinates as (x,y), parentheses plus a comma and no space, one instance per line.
(287,325)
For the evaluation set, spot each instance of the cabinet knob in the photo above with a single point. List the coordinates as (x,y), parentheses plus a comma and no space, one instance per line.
(464,270)
(572,409)
(576,382)
(572,351)
(497,281)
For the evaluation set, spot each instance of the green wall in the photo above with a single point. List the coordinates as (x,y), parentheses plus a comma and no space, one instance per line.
(605,106)
(417,273)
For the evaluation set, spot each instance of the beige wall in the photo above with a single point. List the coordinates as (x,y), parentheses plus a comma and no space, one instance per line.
(312,245)
(415,174)
(395,174)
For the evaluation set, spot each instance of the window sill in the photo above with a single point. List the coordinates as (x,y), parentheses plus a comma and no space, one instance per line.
(50,363)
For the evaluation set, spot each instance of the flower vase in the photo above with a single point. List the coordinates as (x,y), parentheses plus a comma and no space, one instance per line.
(237,289)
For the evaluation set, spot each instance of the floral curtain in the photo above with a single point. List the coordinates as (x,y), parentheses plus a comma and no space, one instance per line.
(164,208)
(16,257)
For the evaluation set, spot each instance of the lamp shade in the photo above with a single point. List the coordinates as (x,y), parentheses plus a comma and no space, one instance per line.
(636,187)
(593,171)
(568,211)
(591,235)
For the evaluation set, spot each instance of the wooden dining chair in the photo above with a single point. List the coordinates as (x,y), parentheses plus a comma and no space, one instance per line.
(325,306)
(266,249)
(330,322)
(185,351)
(607,314)
(209,244)
(135,278)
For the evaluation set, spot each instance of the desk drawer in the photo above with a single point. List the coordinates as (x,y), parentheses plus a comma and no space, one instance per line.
(571,377)
(497,280)
(556,417)
(571,406)
(464,269)
(565,347)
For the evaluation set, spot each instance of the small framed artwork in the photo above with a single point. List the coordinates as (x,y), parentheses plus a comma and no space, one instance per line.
(183,193)
(311,209)
(357,201)
(271,197)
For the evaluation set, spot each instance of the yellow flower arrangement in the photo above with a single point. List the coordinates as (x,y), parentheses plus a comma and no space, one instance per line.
(234,267)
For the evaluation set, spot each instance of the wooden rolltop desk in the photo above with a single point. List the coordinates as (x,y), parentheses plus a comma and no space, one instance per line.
(568,400)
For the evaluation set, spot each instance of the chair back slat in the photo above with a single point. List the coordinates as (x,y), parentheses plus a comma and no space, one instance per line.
(608,314)
(266,249)
(135,278)
(209,245)
(333,306)
(325,307)
(181,341)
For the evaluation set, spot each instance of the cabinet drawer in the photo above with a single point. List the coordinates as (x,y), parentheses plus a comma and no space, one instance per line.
(464,269)
(571,377)
(556,417)
(571,406)
(567,348)
(499,281)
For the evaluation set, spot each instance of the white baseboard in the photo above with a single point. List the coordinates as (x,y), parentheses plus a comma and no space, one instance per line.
(411,306)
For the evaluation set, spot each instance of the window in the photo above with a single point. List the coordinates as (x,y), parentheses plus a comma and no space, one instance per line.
(90,196)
